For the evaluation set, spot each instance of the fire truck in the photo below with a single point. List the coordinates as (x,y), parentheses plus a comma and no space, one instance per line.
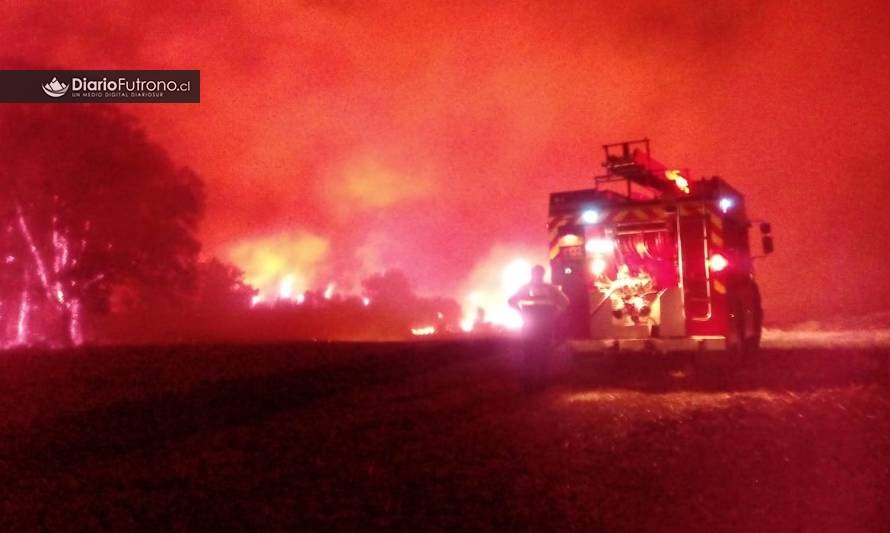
(652,260)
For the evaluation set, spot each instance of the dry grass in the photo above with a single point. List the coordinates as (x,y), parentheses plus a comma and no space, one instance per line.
(438,436)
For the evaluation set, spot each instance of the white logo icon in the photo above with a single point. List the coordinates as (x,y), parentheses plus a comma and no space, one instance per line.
(55,88)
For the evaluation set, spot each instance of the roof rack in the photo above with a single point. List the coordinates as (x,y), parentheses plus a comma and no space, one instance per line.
(631,161)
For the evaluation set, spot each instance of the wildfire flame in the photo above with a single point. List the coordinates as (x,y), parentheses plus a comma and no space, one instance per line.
(329,290)
(280,272)
(280,267)
(490,285)
(423,331)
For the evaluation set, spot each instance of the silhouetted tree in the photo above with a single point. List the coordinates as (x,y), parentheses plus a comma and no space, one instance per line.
(397,308)
(90,204)
(221,288)
(390,287)
(14,297)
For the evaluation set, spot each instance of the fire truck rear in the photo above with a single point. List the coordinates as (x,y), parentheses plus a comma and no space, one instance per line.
(651,260)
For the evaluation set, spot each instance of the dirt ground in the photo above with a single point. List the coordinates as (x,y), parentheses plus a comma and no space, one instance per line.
(439,436)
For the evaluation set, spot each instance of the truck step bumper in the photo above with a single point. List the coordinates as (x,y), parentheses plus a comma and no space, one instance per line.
(683,344)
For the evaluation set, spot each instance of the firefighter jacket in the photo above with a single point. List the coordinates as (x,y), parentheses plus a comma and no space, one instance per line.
(534,295)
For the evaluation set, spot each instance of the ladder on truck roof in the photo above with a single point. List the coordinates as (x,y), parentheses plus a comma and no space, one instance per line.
(631,161)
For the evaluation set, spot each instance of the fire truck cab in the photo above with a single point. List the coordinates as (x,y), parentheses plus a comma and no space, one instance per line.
(651,260)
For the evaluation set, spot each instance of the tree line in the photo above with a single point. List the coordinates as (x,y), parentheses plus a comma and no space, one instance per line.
(98,226)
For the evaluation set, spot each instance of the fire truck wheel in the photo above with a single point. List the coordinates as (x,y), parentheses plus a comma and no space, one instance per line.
(736,341)
(757,322)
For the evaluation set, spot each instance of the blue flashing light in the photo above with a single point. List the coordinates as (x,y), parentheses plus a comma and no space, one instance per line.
(590,216)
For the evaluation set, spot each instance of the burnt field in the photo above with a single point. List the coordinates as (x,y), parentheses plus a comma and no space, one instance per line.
(439,436)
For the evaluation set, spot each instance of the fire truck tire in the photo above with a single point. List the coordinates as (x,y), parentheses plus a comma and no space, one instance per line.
(736,340)
(757,318)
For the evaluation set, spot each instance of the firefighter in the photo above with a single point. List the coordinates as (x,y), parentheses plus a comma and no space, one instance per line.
(540,303)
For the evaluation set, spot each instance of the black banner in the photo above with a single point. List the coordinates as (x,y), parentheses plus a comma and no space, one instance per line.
(100,86)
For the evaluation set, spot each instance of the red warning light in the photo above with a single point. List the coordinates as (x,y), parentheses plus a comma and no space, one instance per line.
(718,263)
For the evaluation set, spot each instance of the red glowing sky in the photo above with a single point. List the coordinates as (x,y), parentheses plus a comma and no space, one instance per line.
(368,135)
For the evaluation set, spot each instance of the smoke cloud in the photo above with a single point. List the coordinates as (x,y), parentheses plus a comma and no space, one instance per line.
(419,136)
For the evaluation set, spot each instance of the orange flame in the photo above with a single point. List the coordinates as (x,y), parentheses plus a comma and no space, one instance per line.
(281,266)
(490,285)
(678,179)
